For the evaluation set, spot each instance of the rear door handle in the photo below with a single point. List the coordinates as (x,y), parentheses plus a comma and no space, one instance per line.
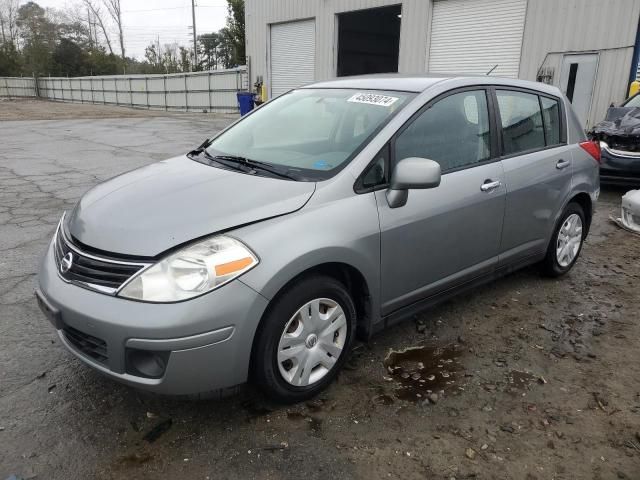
(490,185)
(562,164)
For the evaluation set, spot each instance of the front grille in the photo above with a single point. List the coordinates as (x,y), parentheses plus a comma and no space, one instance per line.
(92,347)
(99,273)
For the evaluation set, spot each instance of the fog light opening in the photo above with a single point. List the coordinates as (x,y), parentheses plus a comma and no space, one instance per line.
(146,363)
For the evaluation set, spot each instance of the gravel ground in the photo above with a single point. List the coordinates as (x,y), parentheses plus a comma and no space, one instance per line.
(532,378)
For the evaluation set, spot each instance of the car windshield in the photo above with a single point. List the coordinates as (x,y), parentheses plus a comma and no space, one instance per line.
(633,102)
(310,133)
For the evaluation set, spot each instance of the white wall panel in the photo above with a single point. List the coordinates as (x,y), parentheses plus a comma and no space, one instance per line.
(472,36)
(292,55)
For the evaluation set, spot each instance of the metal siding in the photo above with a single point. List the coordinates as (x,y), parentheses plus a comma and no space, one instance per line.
(472,36)
(605,26)
(293,49)
(259,14)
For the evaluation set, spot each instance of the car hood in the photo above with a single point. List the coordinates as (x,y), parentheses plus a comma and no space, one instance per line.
(620,121)
(154,208)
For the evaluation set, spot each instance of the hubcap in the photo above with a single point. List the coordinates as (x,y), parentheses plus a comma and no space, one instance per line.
(312,342)
(569,240)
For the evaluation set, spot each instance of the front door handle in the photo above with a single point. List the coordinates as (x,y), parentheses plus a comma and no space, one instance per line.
(490,185)
(562,164)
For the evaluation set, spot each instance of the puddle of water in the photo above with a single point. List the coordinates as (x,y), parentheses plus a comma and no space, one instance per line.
(420,371)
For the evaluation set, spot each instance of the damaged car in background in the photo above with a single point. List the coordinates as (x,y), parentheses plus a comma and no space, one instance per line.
(619,137)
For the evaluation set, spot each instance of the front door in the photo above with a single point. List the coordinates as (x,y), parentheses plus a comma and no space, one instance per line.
(577,78)
(449,234)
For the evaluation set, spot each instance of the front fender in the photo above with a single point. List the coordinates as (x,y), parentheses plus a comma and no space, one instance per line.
(344,231)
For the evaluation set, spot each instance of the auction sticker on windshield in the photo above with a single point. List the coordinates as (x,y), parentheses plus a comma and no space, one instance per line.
(373,99)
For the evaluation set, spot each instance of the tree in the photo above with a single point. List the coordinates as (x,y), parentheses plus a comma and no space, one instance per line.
(8,19)
(38,38)
(226,47)
(208,45)
(69,59)
(235,31)
(10,64)
(97,13)
(185,59)
(113,7)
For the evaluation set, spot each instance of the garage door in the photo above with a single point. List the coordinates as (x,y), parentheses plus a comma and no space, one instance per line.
(293,55)
(472,36)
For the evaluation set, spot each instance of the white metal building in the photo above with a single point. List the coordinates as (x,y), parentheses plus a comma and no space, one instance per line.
(586,47)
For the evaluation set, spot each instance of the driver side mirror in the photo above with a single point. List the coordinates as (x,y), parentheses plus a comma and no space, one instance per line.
(411,173)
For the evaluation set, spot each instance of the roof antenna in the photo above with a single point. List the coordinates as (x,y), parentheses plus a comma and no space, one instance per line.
(494,67)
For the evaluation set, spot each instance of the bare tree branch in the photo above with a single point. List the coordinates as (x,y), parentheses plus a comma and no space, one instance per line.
(113,7)
(95,10)
(8,17)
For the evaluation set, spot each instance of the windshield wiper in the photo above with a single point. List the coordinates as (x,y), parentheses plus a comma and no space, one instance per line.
(253,164)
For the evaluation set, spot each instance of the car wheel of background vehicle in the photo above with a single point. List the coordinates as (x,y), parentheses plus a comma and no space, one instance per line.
(304,339)
(566,242)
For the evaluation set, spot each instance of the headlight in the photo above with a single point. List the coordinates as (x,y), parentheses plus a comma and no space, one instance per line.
(191,271)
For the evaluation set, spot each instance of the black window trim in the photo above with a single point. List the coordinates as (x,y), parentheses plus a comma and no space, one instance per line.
(391,160)
(496,148)
(563,120)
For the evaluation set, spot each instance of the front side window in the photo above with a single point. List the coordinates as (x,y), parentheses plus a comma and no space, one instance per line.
(311,132)
(522,127)
(454,132)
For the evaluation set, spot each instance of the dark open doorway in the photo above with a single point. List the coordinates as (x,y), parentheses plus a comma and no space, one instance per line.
(369,41)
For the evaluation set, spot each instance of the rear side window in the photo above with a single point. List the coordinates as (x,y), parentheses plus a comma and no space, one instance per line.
(551,115)
(522,127)
(454,132)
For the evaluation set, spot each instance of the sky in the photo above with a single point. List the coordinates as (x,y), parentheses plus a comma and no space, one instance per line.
(145,20)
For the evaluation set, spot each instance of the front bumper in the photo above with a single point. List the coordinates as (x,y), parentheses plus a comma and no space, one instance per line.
(619,169)
(206,341)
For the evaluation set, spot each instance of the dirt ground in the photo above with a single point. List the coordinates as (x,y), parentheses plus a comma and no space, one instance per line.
(525,378)
(33,109)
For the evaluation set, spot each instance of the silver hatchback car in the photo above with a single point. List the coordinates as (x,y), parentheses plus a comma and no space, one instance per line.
(332,211)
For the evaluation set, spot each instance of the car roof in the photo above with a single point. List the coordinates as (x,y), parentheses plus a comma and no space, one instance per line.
(420,82)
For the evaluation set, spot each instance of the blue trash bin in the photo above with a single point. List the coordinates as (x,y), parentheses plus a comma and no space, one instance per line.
(245,102)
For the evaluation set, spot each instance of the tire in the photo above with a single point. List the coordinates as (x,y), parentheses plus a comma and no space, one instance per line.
(291,338)
(557,262)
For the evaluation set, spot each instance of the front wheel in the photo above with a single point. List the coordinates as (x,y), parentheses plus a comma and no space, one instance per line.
(304,339)
(566,242)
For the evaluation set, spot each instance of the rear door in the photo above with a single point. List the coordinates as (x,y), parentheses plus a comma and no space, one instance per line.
(537,169)
(449,234)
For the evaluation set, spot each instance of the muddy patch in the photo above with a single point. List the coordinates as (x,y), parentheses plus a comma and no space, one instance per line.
(422,371)
(519,381)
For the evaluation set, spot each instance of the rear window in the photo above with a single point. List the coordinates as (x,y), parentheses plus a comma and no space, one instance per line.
(522,127)
(551,117)
(529,121)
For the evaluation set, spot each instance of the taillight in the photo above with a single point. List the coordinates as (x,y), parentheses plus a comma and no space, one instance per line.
(593,149)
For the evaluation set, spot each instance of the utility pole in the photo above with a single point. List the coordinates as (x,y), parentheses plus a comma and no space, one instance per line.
(90,33)
(4,39)
(195,43)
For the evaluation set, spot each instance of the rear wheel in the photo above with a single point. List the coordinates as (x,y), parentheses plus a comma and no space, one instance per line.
(566,242)
(304,339)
